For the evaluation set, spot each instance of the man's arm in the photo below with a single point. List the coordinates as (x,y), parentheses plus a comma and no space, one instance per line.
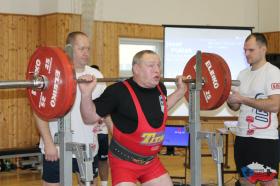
(88,110)
(270,104)
(51,152)
(173,98)
(87,107)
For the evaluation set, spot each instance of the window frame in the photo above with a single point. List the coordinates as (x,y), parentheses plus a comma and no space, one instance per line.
(158,43)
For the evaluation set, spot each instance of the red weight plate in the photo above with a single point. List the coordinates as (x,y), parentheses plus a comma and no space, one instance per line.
(57,99)
(227,80)
(227,76)
(212,91)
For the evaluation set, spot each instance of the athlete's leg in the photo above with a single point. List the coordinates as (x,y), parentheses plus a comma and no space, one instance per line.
(163,180)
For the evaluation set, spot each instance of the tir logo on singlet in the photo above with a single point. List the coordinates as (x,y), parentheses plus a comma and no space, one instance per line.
(275,86)
(152,138)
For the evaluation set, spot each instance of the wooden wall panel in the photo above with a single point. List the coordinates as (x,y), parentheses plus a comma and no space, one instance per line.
(48,30)
(67,23)
(55,27)
(20,36)
(4,22)
(273,39)
(106,41)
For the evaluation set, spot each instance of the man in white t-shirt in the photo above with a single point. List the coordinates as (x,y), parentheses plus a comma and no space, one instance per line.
(256,149)
(81,133)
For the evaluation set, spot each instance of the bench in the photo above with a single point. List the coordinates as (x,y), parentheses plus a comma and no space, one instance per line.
(19,152)
(22,153)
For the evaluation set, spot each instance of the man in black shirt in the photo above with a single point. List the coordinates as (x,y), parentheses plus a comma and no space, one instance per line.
(138,109)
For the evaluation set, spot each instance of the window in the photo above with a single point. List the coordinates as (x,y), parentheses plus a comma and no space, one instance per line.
(128,47)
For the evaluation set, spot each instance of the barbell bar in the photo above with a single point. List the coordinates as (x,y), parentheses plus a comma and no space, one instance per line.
(41,82)
(51,83)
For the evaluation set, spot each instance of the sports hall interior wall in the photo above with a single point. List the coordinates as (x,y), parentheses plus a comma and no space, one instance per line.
(21,34)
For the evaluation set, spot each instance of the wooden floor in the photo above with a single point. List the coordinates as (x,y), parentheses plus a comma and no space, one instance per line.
(174,165)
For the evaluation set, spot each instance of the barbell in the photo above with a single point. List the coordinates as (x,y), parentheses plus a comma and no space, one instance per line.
(51,82)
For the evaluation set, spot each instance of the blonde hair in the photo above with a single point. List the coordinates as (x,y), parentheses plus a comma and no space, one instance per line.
(137,57)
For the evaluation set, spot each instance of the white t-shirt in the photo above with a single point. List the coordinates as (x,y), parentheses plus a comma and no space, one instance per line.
(81,132)
(258,84)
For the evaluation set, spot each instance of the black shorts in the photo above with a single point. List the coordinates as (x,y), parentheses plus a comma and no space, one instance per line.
(103,147)
(248,150)
(51,169)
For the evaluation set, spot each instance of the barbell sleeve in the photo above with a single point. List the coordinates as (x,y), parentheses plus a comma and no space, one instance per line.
(17,84)
(40,82)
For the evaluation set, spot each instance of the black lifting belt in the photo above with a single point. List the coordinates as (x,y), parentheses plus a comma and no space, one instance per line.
(125,154)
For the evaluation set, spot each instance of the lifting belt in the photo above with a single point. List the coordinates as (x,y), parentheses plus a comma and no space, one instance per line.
(123,153)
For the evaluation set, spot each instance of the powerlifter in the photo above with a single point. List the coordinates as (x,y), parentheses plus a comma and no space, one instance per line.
(138,107)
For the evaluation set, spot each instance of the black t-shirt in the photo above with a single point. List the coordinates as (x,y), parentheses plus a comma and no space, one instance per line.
(117,101)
